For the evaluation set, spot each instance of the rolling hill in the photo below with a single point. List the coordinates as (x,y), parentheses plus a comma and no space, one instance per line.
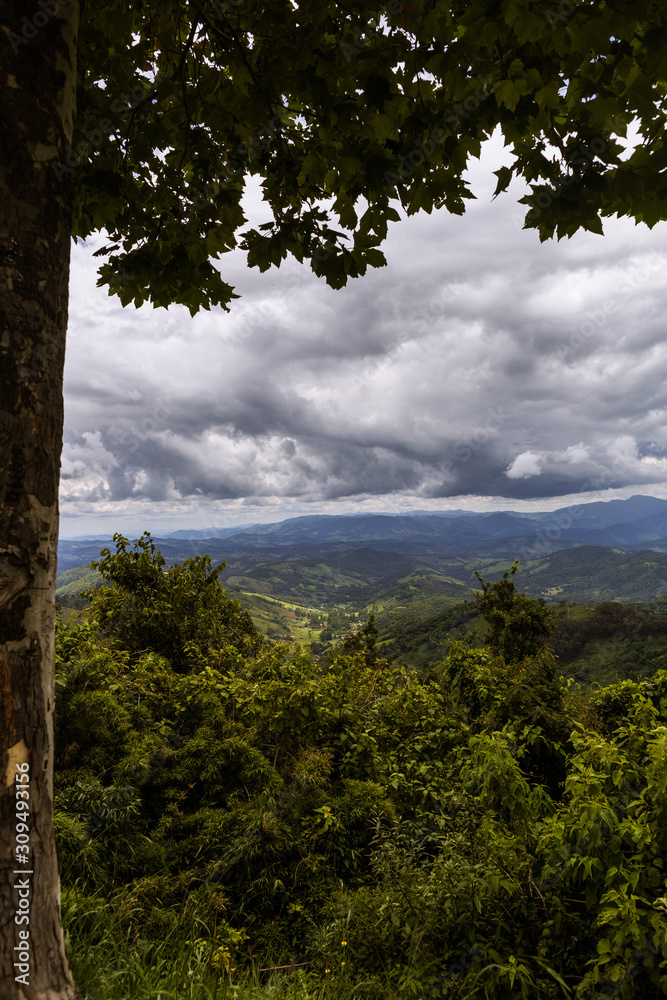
(614,550)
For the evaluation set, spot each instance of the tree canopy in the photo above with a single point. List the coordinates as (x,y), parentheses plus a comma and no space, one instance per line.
(181,612)
(518,625)
(348,114)
(357,828)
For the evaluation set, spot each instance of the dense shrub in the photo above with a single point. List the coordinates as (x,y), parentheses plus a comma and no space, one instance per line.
(182,612)
(445,834)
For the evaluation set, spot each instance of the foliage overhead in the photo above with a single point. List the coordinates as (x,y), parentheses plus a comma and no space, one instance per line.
(346,115)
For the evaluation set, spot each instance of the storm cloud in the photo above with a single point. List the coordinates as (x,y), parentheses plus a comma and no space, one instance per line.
(479,363)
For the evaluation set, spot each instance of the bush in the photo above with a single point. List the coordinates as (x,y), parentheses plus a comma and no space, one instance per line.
(182,613)
(391,832)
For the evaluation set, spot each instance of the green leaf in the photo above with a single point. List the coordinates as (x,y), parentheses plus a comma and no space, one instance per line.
(509,92)
(375,257)
(504,175)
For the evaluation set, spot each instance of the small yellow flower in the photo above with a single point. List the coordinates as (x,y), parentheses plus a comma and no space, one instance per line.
(342,963)
(327,970)
(343,943)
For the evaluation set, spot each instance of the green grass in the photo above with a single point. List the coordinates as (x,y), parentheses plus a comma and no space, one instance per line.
(111,961)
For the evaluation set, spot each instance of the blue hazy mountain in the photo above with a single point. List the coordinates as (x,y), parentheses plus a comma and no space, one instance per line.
(637,523)
(607,513)
(236,529)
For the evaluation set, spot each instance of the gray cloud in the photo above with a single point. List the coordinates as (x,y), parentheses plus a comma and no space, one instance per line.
(478,363)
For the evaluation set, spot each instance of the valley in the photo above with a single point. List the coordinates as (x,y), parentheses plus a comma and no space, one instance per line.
(313,580)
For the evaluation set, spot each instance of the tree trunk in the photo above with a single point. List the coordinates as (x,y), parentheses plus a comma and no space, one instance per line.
(37,105)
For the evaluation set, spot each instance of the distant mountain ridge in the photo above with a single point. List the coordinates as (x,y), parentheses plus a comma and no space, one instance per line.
(601,551)
(213,532)
(639,522)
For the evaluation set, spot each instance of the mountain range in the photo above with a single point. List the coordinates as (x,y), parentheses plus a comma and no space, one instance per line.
(416,572)
(637,523)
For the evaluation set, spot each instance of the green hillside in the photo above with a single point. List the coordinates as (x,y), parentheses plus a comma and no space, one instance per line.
(71,582)
(421,633)
(422,605)
(593,644)
(590,573)
(603,643)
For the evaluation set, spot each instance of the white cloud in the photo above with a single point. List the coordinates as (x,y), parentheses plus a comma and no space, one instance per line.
(529,463)
(577,453)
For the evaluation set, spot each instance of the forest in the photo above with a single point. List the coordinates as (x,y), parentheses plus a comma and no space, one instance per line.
(238,817)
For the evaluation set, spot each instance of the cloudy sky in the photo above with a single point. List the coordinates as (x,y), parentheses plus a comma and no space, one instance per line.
(480,369)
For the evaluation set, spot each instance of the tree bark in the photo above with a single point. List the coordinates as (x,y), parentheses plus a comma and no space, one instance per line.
(37,106)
